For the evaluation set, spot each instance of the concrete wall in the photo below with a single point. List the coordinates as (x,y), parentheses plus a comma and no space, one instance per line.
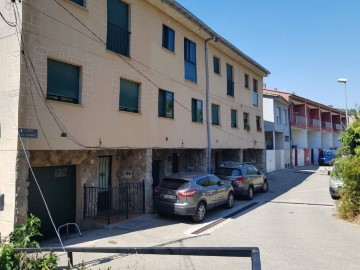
(314,139)
(336,138)
(299,137)
(10,152)
(326,140)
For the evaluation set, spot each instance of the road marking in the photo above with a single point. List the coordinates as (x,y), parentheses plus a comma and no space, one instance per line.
(216,222)
(312,204)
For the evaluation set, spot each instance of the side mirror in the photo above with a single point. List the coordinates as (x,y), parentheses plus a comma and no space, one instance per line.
(220,183)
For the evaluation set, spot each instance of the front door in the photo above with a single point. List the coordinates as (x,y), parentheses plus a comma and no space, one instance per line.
(175,163)
(104,183)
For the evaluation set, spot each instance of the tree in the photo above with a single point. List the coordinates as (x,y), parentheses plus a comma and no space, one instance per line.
(348,164)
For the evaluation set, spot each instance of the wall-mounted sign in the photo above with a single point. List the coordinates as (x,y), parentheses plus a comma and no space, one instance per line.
(29,133)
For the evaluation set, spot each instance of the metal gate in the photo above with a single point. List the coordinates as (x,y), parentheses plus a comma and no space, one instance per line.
(127,198)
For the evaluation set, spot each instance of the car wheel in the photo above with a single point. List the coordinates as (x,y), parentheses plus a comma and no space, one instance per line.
(230,200)
(265,186)
(334,197)
(250,194)
(199,213)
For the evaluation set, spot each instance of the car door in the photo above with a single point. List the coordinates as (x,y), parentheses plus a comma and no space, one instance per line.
(209,191)
(220,187)
(258,179)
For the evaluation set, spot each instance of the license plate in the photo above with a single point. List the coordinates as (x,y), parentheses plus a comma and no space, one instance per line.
(168,196)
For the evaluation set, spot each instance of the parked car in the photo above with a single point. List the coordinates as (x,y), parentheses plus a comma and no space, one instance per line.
(326,157)
(192,194)
(335,184)
(244,177)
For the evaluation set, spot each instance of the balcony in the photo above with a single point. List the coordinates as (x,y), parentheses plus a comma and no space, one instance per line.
(118,39)
(337,127)
(314,124)
(299,120)
(326,125)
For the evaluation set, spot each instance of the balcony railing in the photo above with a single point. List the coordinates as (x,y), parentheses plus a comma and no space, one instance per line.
(337,126)
(325,124)
(118,39)
(315,122)
(300,120)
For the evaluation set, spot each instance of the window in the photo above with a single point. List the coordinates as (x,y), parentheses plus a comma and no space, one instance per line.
(278,115)
(215,114)
(63,82)
(118,35)
(246,79)
(234,118)
(166,104)
(258,123)
(246,121)
(255,93)
(129,96)
(284,116)
(216,62)
(190,60)
(197,114)
(168,38)
(79,2)
(230,80)
(287,138)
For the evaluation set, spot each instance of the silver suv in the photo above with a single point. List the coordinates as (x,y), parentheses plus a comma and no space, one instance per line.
(244,177)
(192,194)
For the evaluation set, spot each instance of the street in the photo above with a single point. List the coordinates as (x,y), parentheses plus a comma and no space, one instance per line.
(294,225)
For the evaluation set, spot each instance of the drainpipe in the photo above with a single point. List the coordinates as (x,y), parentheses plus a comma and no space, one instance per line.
(291,140)
(208,150)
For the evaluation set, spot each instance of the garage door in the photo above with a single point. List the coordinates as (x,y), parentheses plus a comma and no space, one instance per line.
(58,185)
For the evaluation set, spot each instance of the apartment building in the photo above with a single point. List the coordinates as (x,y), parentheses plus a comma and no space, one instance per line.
(277,132)
(100,99)
(314,126)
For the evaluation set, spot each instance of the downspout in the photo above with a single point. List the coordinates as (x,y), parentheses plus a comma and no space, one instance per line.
(291,140)
(207,105)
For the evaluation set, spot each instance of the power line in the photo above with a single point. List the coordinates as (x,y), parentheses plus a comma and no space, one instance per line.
(104,43)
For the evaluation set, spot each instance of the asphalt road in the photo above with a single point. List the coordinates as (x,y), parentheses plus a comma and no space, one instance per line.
(294,225)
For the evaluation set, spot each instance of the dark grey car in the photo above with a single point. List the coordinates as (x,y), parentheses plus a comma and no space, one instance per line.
(192,194)
(244,177)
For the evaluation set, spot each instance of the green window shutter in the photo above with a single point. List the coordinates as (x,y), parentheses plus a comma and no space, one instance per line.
(129,96)
(215,114)
(230,81)
(63,81)
(118,13)
(233,118)
(161,103)
(193,110)
(216,62)
(79,2)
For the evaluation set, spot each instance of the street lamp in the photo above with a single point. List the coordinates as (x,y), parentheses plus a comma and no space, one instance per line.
(343,80)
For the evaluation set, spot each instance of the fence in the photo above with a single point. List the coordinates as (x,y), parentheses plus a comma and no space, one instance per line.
(252,252)
(114,202)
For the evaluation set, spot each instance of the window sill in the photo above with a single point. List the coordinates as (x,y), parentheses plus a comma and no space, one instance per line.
(168,51)
(65,103)
(190,81)
(164,117)
(79,6)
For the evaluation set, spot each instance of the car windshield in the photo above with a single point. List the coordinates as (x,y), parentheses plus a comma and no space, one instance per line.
(174,183)
(229,172)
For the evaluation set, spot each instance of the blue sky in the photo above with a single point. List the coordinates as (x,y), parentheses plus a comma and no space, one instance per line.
(305,44)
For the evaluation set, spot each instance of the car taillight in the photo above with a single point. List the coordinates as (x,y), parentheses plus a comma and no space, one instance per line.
(157,191)
(188,193)
(240,179)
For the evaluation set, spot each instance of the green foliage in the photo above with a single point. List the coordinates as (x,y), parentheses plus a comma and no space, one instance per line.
(349,204)
(350,139)
(21,237)
(348,169)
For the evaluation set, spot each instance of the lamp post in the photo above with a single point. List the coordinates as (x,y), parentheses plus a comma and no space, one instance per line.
(343,80)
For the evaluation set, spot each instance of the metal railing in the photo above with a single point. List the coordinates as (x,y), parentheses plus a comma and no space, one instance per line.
(118,39)
(315,122)
(241,252)
(326,124)
(337,126)
(301,120)
(114,202)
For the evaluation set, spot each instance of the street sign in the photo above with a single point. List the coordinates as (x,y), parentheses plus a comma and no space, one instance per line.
(28,133)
